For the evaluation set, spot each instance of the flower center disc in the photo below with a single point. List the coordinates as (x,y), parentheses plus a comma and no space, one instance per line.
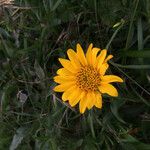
(88,79)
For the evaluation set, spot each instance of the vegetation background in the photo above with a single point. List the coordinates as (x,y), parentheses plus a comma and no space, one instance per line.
(33,34)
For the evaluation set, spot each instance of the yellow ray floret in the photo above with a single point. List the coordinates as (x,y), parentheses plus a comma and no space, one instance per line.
(82,78)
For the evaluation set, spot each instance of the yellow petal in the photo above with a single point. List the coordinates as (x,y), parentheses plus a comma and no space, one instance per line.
(104,66)
(64,79)
(64,72)
(83,104)
(94,55)
(81,55)
(78,96)
(63,87)
(103,69)
(69,93)
(91,100)
(108,89)
(73,58)
(108,58)
(101,58)
(111,78)
(67,65)
(89,54)
(98,102)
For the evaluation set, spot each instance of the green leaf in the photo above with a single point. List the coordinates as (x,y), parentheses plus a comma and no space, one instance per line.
(4,33)
(90,121)
(5,98)
(137,54)
(18,137)
(130,31)
(128,139)
(115,105)
(56,5)
(140,34)
(39,71)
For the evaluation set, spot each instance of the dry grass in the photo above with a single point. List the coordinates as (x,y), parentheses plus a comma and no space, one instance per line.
(6,2)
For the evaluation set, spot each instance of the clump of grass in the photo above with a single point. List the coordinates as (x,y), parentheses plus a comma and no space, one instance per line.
(33,35)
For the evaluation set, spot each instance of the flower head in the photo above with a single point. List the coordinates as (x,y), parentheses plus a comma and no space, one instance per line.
(82,78)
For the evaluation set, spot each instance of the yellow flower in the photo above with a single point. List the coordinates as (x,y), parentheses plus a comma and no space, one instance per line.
(82,78)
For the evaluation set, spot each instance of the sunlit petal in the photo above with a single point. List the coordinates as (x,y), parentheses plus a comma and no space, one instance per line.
(64,72)
(101,58)
(63,87)
(98,101)
(73,58)
(91,100)
(83,104)
(103,69)
(69,93)
(80,55)
(89,54)
(67,65)
(111,78)
(77,97)
(64,79)
(94,56)
(108,89)
(108,58)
